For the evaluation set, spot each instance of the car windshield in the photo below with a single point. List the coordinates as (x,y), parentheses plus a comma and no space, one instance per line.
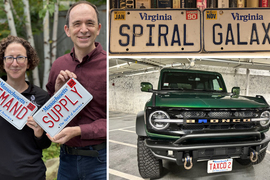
(192,82)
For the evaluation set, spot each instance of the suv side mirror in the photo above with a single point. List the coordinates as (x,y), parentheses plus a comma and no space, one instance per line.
(146,87)
(235,91)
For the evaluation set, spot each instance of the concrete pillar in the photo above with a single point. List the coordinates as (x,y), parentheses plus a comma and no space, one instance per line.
(247,81)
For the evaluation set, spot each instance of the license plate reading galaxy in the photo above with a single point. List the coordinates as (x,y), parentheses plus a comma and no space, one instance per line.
(14,107)
(155,31)
(236,30)
(220,165)
(62,107)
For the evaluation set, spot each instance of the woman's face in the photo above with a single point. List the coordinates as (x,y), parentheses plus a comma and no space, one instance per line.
(14,69)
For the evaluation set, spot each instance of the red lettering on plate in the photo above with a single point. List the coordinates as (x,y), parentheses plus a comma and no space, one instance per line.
(214,167)
(210,166)
(229,165)
(31,106)
(43,119)
(8,103)
(58,118)
(4,97)
(26,110)
(58,110)
(64,105)
(76,92)
(16,108)
(71,101)
(71,83)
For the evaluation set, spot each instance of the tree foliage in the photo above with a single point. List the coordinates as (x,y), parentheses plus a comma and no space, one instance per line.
(37,12)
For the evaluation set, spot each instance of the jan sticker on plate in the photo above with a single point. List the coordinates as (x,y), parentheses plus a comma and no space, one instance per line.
(62,107)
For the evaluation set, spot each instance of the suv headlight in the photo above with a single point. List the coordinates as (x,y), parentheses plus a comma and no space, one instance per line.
(158,115)
(265,114)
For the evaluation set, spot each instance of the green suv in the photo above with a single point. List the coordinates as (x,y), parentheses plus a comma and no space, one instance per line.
(191,118)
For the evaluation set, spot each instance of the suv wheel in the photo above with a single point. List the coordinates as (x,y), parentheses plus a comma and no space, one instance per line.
(246,162)
(149,165)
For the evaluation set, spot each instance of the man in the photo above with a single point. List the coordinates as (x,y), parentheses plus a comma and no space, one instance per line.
(83,149)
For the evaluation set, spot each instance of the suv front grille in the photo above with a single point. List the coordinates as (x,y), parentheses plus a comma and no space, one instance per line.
(222,119)
(200,127)
(214,114)
(219,114)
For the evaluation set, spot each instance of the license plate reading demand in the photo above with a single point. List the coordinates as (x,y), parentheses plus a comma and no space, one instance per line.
(220,165)
(155,31)
(14,107)
(62,107)
(236,30)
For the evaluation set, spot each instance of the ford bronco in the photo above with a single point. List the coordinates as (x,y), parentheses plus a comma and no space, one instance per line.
(191,118)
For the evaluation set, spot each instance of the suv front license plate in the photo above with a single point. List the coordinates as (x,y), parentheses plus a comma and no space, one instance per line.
(220,165)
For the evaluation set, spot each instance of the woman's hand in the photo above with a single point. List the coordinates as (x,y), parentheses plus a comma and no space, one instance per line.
(38,131)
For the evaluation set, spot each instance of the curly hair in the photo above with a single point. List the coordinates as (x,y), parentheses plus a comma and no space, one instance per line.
(32,56)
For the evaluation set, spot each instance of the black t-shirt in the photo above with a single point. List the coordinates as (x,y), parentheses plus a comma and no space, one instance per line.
(20,150)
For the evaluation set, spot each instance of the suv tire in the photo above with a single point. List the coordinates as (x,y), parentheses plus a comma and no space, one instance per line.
(149,165)
(247,162)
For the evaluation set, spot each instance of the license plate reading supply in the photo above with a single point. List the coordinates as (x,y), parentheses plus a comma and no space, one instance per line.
(14,107)
(62,107)
(236,30)
(155,31)
(221,165)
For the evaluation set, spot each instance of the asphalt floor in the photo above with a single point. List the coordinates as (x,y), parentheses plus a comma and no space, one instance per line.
(123,158)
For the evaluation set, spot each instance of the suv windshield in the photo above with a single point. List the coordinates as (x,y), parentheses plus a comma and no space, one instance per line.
(191,82)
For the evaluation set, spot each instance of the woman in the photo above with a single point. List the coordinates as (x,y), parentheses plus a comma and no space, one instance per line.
(21,150)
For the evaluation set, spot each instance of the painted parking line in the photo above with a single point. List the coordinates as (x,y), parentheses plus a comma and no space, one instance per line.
(127,130)
(125,144)
(124,175)
(268,151)
(122,117)
(121,128)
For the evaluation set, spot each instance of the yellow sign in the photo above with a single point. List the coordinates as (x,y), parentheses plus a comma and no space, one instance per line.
(211,14)
(119,15)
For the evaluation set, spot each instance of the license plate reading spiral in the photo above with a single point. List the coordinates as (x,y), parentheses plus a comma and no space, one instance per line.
(14,107)
(220,165)
(62,107)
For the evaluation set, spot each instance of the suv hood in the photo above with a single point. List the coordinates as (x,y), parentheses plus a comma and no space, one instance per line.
(207,100)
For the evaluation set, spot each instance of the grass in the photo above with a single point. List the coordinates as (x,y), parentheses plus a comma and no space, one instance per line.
(52,152)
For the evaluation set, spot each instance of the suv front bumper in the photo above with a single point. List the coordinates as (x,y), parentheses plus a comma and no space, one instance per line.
(178,150)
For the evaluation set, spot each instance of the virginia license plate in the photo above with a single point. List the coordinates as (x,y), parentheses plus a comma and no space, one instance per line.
(14,107)
(155,31)
(236,30)
(62,107)
(220,165)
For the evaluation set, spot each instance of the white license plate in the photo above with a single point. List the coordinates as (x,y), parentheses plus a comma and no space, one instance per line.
(62,107)
(236,30)
(14,107)
(220,165)
(155,31)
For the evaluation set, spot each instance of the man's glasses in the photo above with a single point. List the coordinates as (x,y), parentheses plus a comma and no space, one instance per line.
(19,59)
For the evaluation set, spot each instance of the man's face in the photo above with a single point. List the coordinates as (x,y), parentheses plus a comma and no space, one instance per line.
(83,27)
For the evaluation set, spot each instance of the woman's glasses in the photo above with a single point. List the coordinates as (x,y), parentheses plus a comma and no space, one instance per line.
(19,59)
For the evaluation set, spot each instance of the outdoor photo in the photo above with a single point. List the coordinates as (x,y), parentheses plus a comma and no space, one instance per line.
(53,74)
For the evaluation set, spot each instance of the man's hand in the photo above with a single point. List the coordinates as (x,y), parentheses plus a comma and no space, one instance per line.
(66,134)
(62,78)
(38,131)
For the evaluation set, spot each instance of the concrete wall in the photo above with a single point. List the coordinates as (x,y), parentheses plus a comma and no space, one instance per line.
(125,94)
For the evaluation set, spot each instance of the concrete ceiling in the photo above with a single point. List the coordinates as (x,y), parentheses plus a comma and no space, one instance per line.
(119,67)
